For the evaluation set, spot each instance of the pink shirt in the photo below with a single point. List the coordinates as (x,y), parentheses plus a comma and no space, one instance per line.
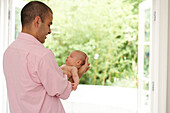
(35,83)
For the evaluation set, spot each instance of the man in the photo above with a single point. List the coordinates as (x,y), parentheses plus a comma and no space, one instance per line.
(35,83)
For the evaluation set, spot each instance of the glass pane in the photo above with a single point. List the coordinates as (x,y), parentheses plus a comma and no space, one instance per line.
(17,21)
(145,96)
(147,25)
(146,60)
(145,102)
(145,85)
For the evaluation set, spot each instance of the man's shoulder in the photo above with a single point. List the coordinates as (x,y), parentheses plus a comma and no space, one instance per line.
(28,46)
(40,50)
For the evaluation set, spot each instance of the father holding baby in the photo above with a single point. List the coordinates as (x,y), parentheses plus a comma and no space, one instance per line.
(35,83)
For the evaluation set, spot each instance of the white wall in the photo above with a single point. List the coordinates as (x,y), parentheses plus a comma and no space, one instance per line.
(168,79)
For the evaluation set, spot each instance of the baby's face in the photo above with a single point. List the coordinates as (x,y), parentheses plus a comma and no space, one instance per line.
(72,59)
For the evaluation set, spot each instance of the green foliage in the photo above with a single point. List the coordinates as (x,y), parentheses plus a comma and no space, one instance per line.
(108,28)
(17,21)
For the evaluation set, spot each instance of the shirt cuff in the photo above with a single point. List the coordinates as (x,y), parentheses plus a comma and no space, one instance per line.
(66,92)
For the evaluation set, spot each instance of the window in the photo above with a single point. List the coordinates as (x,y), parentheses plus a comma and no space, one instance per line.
(144,57)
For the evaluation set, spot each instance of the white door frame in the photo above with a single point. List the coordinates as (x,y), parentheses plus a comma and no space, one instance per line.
(159,61)
(160,53)
(4,5)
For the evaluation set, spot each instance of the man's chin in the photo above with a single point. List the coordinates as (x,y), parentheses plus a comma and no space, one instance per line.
(43,41)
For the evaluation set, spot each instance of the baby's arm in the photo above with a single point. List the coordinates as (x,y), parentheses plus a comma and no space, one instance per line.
(71,72)
(74,73)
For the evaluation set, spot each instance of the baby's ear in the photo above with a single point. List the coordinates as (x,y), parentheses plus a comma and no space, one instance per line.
(79,62)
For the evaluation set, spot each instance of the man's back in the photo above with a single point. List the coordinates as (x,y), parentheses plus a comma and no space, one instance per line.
(29,91)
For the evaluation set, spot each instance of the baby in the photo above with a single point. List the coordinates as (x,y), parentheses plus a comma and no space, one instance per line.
(73,62)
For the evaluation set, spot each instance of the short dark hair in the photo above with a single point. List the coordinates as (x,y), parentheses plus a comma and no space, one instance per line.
(33,9)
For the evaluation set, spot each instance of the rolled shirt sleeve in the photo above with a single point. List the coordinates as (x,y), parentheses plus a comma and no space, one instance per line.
(52,78)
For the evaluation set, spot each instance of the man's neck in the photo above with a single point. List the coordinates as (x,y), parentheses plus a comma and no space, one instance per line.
(28,31)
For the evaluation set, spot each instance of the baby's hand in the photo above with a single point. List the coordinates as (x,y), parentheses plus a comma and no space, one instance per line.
(74,86)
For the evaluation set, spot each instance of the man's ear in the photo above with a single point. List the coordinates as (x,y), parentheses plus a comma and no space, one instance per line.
(37,21)
(79,62)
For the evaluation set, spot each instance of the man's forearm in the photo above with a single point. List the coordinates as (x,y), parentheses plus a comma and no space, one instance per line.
(80,73)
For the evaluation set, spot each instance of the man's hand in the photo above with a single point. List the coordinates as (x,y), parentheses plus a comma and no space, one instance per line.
(84,68)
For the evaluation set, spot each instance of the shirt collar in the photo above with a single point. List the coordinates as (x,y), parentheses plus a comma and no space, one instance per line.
(29,37)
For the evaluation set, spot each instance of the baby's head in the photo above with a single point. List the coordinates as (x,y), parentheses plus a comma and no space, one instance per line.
(76,58)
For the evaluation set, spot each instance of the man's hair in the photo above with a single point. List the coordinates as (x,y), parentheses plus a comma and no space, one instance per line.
(82,56)
(33,9)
